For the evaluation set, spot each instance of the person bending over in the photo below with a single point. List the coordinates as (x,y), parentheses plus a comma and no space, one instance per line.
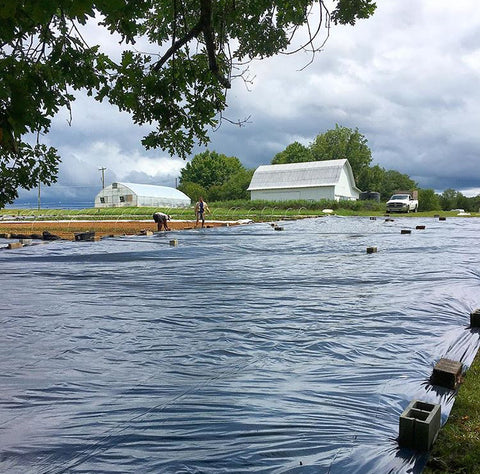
(161,219)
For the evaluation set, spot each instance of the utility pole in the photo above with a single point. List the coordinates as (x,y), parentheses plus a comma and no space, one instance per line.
(102,169)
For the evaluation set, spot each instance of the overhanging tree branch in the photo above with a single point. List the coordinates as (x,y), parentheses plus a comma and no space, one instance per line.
(204,26)
(193,33)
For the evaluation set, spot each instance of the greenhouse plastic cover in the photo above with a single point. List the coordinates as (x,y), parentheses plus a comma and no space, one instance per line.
(243,349)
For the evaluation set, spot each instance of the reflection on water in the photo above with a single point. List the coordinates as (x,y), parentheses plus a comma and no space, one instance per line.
(241,350)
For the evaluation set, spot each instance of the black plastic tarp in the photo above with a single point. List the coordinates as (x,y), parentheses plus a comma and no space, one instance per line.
(243,349)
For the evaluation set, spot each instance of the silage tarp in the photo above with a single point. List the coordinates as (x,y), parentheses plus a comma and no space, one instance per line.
(244,349)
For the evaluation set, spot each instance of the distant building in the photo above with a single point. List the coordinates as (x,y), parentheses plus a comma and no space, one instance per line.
(131,194)
(311,181)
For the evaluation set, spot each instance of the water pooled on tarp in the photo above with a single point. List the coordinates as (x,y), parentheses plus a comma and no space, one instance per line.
(240,350)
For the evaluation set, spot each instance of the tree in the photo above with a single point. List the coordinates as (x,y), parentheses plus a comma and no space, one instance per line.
(210,169)
(343,142)
(452,199)
(475,204)
(371,178)
(463,202)
(448,199)
(428,200)
(192,190)
(234,188)
(396,181)
(294,153)
(197,48)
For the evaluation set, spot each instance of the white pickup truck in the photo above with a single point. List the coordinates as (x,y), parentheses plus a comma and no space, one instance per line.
(402,203)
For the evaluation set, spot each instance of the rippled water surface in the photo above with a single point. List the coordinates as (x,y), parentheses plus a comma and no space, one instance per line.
(243,349)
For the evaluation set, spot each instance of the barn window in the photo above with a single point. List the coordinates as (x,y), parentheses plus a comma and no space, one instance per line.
(114,185)
(122,198)
(102,200)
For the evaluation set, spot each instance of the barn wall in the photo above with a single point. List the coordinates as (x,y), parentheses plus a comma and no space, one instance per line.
(307,194)
(344,188)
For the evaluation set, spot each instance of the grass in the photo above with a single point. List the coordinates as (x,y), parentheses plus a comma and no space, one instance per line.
(229,210)
(457,449)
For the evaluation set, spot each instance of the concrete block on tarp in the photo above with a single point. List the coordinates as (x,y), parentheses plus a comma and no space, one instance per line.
(371,249)
(84,236)
(419,425)
(174,243)
(446,373)
(14,245)
(475,318)
(48,236)
(405,231)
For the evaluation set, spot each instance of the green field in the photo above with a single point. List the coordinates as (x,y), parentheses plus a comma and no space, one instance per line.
(259,211)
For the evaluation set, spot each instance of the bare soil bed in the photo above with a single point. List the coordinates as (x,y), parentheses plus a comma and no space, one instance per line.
(67,230)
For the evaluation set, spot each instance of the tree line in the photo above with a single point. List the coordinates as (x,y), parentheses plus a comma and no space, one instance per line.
(218,177)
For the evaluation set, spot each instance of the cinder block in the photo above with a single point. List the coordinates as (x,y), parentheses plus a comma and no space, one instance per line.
(420,227)
(174,243)
(371,249)
(277,227)
(475,319)
(25,241)
(48,236)
(145,232)
(419,425)
(84,236)
(389,220)
(446,373)
(14,245)
(373,218)
(405,231)
(442,218)
(5,235)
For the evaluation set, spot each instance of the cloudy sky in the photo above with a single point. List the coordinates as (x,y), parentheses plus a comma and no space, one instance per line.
(408,78)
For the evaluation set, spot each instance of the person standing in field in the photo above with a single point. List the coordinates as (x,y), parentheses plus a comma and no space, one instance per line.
(161,219)
(200,208)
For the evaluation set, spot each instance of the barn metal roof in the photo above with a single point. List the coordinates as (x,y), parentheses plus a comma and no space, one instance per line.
(155,191)
(299,175)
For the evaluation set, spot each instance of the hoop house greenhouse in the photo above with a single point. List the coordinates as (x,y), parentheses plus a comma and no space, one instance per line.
(131,194)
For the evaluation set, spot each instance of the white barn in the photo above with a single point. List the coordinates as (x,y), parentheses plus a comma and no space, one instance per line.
(142,195)
(311,181)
